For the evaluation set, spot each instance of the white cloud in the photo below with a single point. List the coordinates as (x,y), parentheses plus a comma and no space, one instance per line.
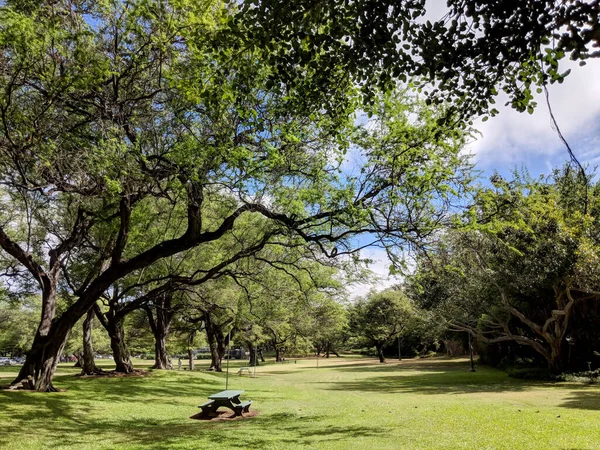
(515,138)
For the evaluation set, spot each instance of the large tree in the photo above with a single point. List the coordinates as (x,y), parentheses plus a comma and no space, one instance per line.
(118,119)
(525,263)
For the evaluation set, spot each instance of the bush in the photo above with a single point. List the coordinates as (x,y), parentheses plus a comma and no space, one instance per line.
(589,376)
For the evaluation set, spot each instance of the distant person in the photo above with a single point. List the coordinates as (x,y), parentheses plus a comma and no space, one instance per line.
(179,364)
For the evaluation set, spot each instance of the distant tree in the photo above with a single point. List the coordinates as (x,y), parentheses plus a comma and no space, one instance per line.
(381,317)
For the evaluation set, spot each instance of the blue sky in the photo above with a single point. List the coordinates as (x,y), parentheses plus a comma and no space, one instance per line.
(511,140)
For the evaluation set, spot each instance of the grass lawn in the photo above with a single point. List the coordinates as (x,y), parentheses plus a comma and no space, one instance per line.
(346,403)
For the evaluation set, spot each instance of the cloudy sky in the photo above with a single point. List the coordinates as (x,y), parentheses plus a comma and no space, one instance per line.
(511,140)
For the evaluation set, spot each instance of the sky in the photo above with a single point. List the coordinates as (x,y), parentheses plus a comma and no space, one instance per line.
(513,140)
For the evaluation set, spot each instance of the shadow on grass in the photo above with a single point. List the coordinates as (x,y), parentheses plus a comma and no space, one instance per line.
(450,377)
(71,420)
(583,399)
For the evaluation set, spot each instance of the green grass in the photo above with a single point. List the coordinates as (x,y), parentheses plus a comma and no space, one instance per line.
(346,403)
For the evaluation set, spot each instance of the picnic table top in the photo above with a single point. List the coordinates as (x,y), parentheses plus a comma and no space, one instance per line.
(225,394)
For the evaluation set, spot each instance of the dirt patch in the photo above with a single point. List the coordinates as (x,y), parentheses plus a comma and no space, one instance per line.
(225,415)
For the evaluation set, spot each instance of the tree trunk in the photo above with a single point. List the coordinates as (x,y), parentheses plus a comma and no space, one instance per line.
(260,355)
(190,351)
(319,348)
(216,343)
(554,361)
(379,348)
(120,352)
(48,343)
(277,354)
(253,355)
(88,366)
(160,324)
(79,362)
(40,363)
(471,363)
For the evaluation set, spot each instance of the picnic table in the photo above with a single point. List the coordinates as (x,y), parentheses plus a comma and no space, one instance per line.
(229,399)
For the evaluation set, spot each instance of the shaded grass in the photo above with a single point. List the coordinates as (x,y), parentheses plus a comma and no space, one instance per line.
(346,403)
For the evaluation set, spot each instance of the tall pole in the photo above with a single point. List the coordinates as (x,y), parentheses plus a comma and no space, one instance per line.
(228,358)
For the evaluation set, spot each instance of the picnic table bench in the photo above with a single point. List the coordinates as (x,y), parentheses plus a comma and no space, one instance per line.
(229,399)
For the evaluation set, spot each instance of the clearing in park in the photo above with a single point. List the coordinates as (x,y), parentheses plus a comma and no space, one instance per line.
(344,403)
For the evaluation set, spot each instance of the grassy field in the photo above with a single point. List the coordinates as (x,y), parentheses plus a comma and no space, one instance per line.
(345,403)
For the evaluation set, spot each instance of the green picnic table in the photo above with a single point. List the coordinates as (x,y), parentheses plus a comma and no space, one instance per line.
(229,399)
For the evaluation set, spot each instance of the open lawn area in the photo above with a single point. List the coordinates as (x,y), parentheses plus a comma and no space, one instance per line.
(345,403)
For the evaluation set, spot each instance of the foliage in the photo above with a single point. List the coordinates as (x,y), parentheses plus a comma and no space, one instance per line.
(381,317)
(18,322)
(466,55)
(136,141)
(526,261)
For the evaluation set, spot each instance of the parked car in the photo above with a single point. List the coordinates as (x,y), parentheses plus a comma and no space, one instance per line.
(7,361)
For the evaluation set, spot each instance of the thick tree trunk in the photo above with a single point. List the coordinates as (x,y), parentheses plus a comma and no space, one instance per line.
(49,341)
(554,361)
(88,366)
(161,357)
(216,342)
(379,348)
(79,362)
(40,363)
(277,354)
(160,323)
(253,355)
(191,358)
(327,349)
(120,351)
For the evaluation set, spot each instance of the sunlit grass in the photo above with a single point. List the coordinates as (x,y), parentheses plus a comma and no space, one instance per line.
(346,403)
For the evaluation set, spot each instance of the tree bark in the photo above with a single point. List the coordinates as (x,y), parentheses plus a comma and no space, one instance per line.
(120,351)
(190,351)
(40,363)
(555,359)
(253,355)
(113,321)
(160,323)
(216,342)
(88,365)
(277,354)
(379,348)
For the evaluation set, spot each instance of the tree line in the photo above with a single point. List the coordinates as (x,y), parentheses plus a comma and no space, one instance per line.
(156,155)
